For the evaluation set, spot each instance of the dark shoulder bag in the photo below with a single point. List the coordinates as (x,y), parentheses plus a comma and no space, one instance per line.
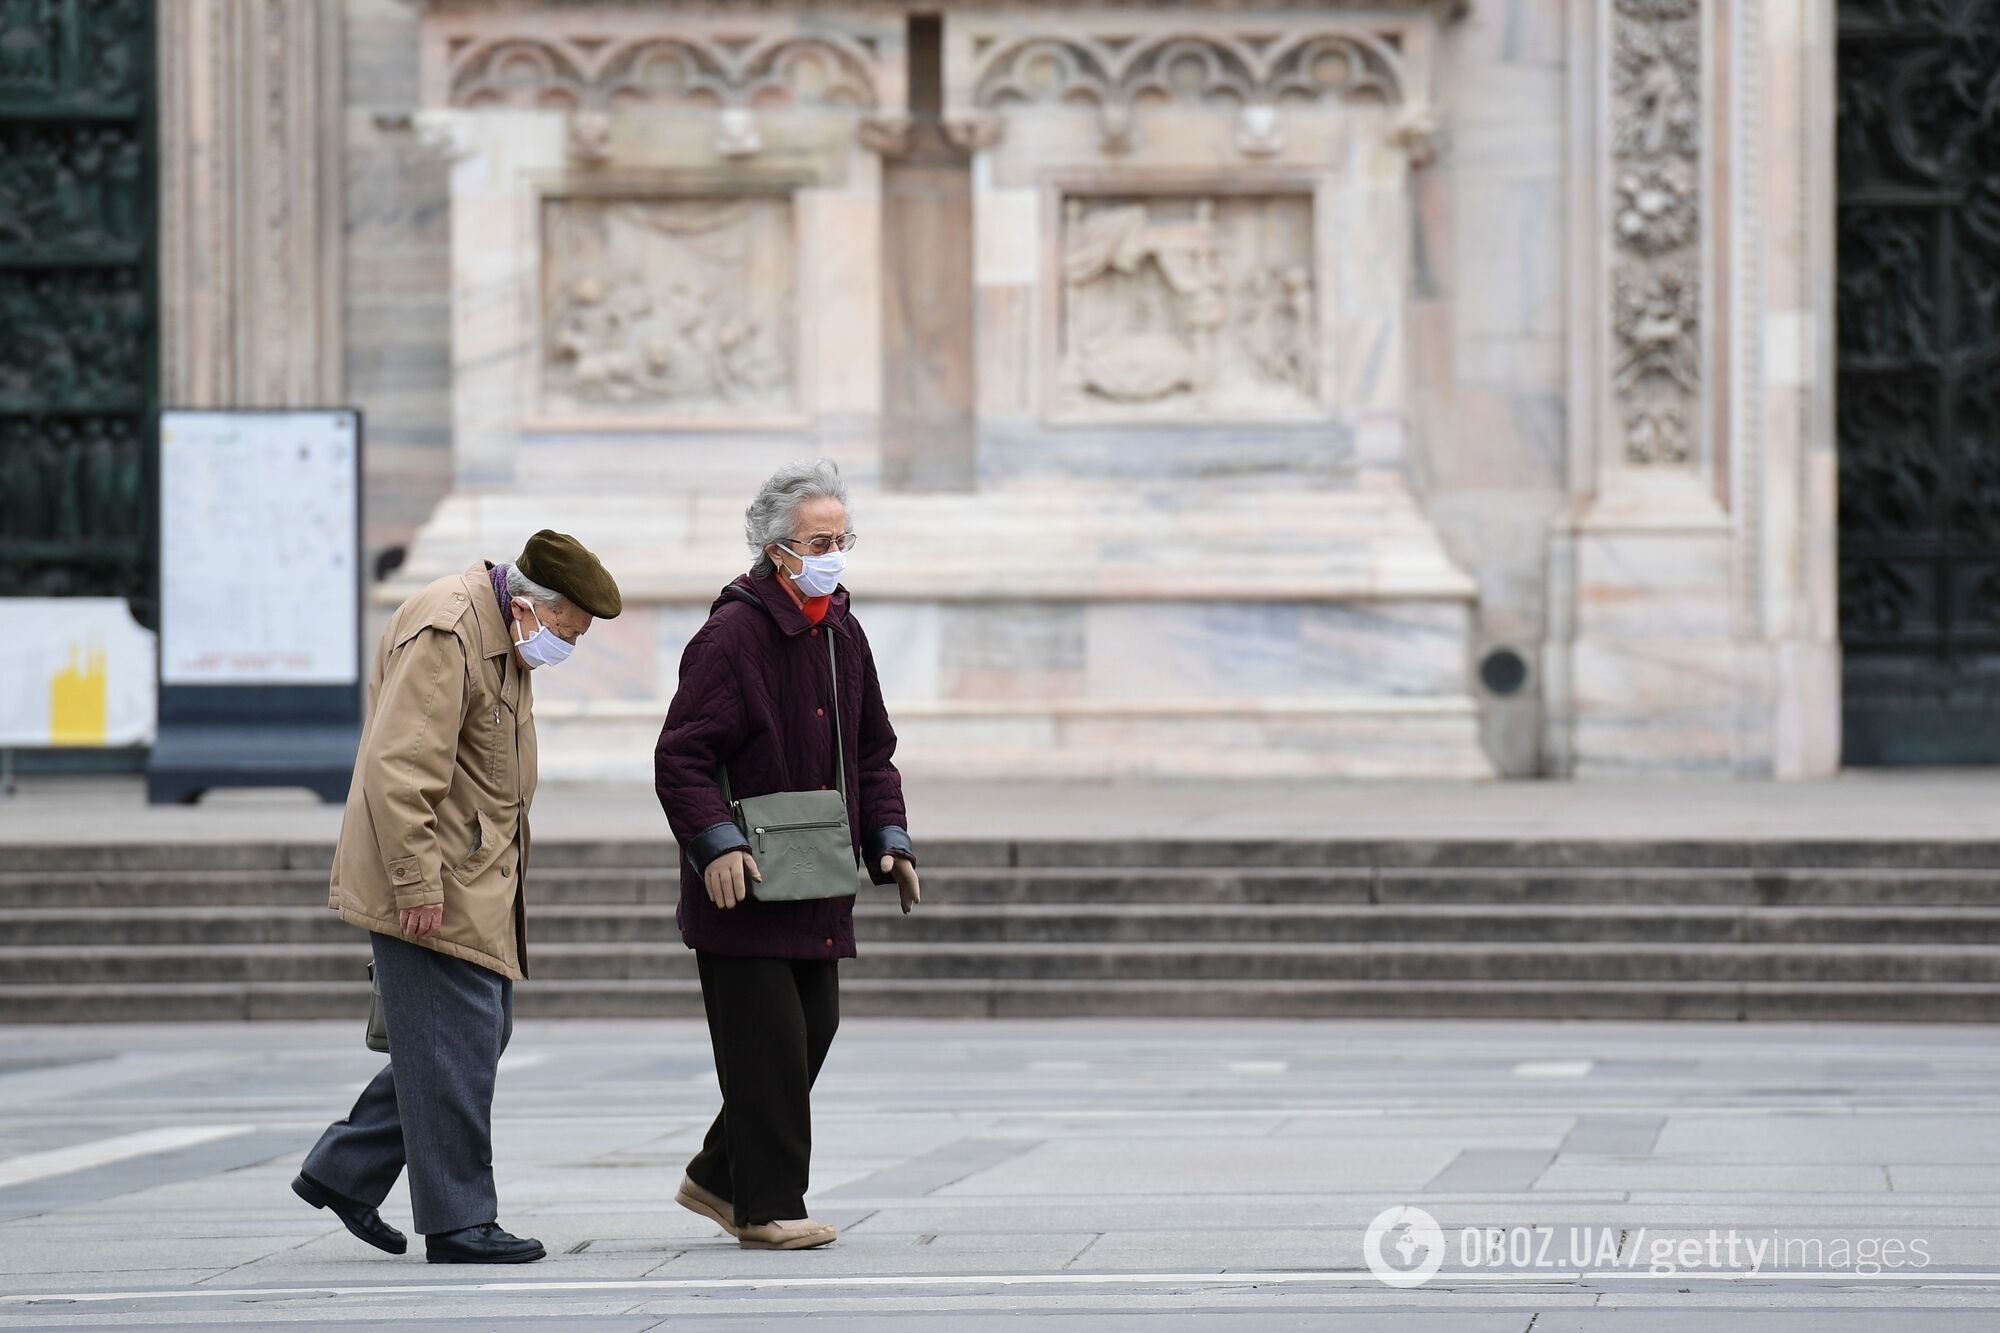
(378,1023)
(800,839)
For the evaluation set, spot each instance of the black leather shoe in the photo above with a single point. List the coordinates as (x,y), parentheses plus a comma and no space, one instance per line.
(356,1216)
(483,1244)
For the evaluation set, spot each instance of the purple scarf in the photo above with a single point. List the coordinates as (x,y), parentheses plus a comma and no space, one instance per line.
(499,576)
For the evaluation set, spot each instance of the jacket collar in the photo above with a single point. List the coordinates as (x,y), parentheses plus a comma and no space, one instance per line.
(494,638)
(778,604)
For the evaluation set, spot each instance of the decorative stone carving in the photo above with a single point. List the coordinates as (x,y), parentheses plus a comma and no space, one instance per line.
(887,134)
(973,131)
(589,138)
(1655,226)
(1187,307)
(1120,75)
(736,133)
(1416,133)
(582,72)
(1260,131)
(668,307)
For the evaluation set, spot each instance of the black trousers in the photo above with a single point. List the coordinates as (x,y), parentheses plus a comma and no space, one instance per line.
(770,1021)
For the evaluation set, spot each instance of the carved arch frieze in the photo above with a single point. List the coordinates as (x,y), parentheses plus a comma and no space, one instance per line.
(1257,75)
(699,73)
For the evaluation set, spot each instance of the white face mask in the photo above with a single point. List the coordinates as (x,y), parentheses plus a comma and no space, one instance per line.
(542,648)
(819,574)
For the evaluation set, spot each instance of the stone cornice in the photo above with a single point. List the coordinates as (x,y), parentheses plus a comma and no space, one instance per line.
(1444,11)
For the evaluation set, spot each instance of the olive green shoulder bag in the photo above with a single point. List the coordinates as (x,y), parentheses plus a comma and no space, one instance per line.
(800,839)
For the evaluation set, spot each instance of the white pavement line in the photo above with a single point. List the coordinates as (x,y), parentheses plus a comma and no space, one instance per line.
(515,1061)
(1350,1276)
(102,1152)
(1553,1068)
(1257,1066)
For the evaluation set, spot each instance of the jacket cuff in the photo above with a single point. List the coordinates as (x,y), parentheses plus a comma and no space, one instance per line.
(406,877)
(889,840)
(712,842)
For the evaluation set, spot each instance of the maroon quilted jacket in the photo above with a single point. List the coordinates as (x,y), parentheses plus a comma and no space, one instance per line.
(755,691)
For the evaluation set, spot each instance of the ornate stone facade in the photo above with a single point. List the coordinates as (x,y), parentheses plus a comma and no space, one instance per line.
(1299,354)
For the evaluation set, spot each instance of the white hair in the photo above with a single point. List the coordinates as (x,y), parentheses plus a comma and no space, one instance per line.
(520,585)
(775,512)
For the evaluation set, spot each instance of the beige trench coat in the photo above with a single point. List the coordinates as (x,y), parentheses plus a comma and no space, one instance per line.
(438,812)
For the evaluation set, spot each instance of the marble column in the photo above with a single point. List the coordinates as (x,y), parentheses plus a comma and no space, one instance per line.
(1691,575)
(250,203)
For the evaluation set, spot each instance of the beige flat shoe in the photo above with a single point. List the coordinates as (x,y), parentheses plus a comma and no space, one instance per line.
(706,1202)
(802,1233)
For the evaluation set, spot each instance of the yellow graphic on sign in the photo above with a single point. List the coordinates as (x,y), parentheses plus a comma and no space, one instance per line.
(77,698)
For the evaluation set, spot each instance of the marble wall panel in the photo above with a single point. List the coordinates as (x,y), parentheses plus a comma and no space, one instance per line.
(1011,650)
(1278,650)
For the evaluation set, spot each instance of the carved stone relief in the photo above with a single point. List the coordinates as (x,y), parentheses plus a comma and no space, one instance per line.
(1187,307)
(668,307)
(1655,227)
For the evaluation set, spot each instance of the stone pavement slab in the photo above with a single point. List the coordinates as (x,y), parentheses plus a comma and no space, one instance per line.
(1906,804)
(1081,1174)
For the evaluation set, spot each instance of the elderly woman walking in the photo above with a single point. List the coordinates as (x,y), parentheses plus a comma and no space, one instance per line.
(774,770)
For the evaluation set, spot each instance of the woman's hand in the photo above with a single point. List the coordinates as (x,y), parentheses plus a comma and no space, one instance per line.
(728,877)
(906,880)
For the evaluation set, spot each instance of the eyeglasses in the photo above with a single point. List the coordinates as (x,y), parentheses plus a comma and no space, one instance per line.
(825,542)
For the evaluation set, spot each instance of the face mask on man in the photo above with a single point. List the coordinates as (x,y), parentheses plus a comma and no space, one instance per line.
(544,647)
(818,574)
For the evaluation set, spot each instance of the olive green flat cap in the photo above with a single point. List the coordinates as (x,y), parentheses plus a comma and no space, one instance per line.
(558,561)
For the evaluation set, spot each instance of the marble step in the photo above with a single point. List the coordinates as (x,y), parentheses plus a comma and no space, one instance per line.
(1191,926)
(1620,961)
(861,997)
(1392,855)
(974,885)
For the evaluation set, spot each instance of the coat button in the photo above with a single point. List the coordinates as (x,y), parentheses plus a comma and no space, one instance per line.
(820,712)
(813,632)
(822,786)
(506,872)
(829,941)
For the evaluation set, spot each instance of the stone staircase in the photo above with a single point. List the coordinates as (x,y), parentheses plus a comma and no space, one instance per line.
(1551,929)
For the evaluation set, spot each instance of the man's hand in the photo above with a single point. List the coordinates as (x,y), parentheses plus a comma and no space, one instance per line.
(419,922)
(728,877)
(906,880)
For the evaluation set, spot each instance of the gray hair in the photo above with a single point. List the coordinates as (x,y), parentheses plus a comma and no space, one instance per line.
(772,515)
(520,585)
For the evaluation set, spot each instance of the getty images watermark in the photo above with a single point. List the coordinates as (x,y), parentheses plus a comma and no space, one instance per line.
(1405,1247)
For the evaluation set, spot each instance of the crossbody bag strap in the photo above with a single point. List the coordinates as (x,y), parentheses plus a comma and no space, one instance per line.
(839,750)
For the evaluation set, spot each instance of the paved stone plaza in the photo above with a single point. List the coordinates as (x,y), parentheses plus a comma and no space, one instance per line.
(1090,1174)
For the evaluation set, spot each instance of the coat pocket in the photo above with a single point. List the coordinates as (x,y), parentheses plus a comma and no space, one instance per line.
(487,843)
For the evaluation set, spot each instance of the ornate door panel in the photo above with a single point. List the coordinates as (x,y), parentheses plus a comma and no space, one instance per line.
(77,306)
(1919,387)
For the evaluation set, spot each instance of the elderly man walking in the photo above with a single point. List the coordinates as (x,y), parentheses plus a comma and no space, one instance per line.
(433,850)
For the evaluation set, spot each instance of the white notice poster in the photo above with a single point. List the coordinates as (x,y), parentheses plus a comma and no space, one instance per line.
(259,582)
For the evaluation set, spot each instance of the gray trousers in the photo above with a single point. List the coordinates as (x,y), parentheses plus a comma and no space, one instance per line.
(431,1107)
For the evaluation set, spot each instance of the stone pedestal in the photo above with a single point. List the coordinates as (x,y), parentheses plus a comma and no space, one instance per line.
(1190,546)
